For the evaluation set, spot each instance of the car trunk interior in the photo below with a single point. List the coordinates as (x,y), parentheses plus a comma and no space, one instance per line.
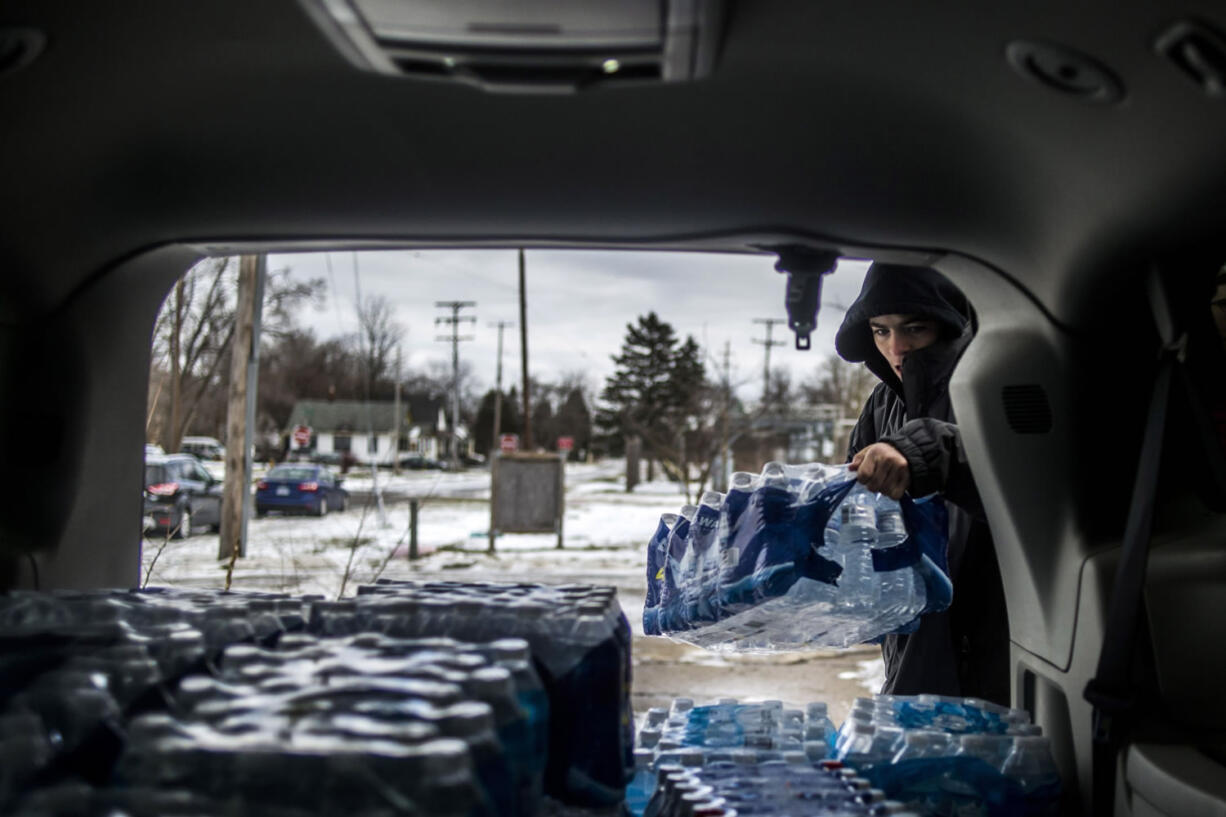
(140,142)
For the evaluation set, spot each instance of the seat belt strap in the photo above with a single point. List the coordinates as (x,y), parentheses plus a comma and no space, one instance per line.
(1111,691)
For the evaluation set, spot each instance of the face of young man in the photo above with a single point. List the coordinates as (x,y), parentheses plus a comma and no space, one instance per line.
(897,336)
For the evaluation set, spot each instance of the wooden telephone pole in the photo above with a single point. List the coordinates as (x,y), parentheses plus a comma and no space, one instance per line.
(766,362)
(496,441)
(454,339)
(240,413)
(523,354)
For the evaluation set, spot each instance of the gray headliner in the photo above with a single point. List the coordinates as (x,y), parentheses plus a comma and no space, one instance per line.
(147,124)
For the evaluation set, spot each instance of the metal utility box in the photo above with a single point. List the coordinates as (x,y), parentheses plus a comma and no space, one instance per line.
(527,494)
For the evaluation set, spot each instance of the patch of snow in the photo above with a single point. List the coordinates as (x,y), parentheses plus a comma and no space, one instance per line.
(871,675)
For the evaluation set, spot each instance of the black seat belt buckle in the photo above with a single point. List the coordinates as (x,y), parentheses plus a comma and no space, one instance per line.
(1109,702)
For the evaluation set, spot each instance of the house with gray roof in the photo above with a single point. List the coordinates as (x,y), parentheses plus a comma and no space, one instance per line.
(368,430)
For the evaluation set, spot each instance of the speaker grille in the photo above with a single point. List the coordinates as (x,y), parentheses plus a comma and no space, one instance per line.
(1027,409)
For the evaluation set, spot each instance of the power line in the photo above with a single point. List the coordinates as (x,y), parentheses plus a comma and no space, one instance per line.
(454,321)
(770,324)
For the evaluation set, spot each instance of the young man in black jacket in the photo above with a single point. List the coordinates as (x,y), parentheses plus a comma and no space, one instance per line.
(910,325)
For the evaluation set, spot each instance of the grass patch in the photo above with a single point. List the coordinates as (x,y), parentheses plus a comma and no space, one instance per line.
(345,541)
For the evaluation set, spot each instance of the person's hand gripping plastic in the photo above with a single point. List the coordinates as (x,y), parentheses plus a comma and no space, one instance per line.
(881,468)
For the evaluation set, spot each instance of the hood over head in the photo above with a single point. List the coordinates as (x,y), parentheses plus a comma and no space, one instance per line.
(897,289)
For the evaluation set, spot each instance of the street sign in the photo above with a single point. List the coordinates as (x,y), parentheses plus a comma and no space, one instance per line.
(301,436)
(566,443)
(508,443)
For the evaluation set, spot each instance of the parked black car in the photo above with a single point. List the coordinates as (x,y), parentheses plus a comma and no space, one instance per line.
(181,497)
(416,462)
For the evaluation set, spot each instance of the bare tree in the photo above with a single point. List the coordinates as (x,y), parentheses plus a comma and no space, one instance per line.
(193,334)
(779,397)
(192,337)
(378,336)
(843,384)
(840,383)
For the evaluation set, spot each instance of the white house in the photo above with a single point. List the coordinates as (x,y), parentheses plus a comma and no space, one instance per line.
(368,430)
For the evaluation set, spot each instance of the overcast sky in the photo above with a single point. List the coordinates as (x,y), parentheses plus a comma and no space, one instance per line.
(579,303)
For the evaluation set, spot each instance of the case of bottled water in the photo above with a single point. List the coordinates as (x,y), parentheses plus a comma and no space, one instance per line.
(943,755)
(923,755)
(799,555)
(580,645)
(696,735)
(166,702)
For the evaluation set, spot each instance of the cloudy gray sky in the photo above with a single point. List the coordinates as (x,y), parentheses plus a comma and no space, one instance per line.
(579,303)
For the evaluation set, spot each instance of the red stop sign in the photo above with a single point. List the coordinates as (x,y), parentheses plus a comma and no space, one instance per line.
(566,443)
(301,436)
(508,442)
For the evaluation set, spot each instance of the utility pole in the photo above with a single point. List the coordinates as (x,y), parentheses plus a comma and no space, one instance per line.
(454,338)
(720,481)
(523,353)
(396,418)
(495,443)
(766,363)
(240,413)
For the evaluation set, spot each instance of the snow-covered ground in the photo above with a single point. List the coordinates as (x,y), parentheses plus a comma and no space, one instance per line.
(605,532)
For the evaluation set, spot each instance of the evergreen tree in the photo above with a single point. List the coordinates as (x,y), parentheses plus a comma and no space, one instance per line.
(544,433)
(655,386)
(574,420)
(483,425)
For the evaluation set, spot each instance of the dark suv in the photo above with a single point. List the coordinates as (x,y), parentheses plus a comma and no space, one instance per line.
(180,496)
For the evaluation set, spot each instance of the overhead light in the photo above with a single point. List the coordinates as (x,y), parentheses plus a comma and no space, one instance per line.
(527,46)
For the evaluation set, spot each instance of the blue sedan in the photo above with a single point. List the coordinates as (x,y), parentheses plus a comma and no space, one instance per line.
(297,487)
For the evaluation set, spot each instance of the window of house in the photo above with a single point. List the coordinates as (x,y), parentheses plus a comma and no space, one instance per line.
(342,442)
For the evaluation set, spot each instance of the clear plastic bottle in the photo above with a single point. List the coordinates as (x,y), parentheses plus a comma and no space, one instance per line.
(672,604)
(735,537)
(24,752)
(960,793)
(1030,765)
(642,785)
(857,744)
(656,554)
(515,655)
(903,595)
(700,571)
(857,596)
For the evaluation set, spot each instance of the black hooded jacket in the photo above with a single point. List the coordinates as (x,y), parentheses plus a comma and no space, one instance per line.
(964,650)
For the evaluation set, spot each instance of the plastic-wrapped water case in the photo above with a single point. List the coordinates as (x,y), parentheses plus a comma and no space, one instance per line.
(800,555)
(196,702)
(946,755)
(730,729)
(923,755)
(773,788)
(580,645)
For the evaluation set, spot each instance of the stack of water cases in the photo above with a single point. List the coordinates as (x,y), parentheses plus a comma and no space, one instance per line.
(952,756)
(745,758)
(204,703)
(924,755)
(791,787)
(728,730)
(797,556)
(580,642)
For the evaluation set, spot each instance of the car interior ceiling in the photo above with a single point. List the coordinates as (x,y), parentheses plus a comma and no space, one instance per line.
(145,136)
